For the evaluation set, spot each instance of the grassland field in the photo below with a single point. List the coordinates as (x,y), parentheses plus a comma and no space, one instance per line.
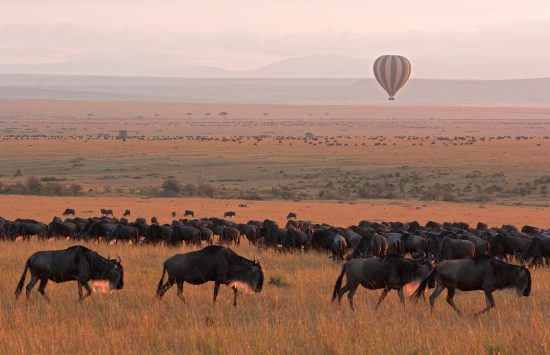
(265,163)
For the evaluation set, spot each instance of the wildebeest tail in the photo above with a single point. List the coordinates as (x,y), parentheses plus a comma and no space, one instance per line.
(21,283)
(338,284)
(161,282)
(422,287)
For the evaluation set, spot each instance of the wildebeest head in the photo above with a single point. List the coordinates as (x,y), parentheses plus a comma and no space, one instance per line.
(249,276)
(523,283)
(115,274)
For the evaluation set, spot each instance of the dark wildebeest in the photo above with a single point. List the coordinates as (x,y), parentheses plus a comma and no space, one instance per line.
(189,213)
(69,211)
(127,213)
(455,249)
(76,263)
(174,214)
(105,212)
(482,272)
(291,215)
(370,244)
(270,235)
(229,214)
(249,231)
(294,239)
(213,263)
(537,249)
(125,232)
(154,220)
(504,245)
(329,239)
(390,272)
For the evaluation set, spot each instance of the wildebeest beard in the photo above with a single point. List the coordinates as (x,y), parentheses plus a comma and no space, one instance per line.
(100,268)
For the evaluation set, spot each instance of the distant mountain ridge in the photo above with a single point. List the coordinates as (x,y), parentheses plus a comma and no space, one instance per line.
(428,92)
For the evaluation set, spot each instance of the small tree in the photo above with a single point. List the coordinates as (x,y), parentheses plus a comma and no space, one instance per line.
(171,185)
(75,189)
(18,173)
(33,184)
(223,114)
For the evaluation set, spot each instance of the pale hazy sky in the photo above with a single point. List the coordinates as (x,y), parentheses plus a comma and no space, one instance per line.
(443,39)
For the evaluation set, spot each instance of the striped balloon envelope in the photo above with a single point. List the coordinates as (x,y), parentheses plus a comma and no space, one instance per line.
(392,72)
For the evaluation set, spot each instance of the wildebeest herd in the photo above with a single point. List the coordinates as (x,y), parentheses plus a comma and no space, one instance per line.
(377,255)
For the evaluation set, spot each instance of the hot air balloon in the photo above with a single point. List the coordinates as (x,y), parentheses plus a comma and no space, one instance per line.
(392,72)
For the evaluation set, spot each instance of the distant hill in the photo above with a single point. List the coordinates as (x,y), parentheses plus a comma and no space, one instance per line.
(528,92)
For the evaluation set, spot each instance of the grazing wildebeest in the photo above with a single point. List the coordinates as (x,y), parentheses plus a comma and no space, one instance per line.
(390,272)
(291,215)
(213,263)
(504,245)
(127,213)
(482,272)
(76,263)
(537,249)
(69,211)
(229,214)
(455,249)
(329,239)
(189,213)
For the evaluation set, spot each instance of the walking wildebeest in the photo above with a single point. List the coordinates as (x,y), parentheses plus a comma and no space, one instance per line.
(189,213)
(76,263)
(213,263)
(390,272)
(482,272)
(229,214)
(69,211)
(291,215)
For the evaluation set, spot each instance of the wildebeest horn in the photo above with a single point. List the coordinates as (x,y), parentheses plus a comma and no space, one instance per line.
(119,259)
(256,260)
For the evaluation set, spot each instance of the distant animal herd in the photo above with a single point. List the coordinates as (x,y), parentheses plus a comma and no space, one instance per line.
(376,255)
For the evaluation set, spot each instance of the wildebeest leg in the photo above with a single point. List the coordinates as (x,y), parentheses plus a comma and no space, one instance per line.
(34,280)
(401,296)
(216,290)
(235,296)
(166,287)
(88,289)
(80,297)
(343,290)
(41,288)
(490,303)
(352,291)
(436,294)
(180,290)
(382,296)
(450,295)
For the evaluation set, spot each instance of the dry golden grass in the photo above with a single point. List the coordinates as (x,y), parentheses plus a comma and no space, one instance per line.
(299,318)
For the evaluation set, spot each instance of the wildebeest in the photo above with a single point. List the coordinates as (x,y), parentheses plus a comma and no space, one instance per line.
(76,263)
(69,211)
(127,213)
(390,272)
(229,214)
(189,213)
(329,239)
(213,263)
(455,249)
(481,272)
(504,245)
(106,212)
(537,249)
(291,215)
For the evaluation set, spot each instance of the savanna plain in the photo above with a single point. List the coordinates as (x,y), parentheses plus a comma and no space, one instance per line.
(333,164)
